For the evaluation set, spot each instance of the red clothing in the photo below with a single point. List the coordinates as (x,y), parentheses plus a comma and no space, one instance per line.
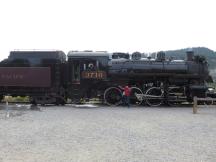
(127,91)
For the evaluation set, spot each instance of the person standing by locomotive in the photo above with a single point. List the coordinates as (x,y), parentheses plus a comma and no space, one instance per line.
(126,92)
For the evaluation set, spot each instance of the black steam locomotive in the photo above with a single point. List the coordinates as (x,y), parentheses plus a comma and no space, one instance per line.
(48,77)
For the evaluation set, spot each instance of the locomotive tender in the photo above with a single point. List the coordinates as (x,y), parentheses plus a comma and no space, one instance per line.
(48,77)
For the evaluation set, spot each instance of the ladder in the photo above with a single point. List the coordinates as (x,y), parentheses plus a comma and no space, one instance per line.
(75,93)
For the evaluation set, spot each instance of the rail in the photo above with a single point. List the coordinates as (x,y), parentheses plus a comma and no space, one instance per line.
(196,99)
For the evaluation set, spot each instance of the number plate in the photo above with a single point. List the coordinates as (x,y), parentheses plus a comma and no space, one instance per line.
(94,74)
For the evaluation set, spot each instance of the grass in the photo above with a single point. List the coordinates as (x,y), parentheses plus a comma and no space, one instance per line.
(16,99)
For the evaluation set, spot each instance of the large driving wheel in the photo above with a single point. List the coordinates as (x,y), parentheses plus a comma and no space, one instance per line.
(154,96)
(133,98)
(113,96)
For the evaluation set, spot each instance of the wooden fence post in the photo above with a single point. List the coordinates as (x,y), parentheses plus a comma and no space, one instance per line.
(195,105)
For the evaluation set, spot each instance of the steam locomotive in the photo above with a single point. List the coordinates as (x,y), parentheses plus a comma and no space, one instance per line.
(51,77)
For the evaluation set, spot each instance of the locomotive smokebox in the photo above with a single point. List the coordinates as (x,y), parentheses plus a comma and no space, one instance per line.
(190,55)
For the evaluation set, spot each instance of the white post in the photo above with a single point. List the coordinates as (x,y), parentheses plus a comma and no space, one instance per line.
(7,109)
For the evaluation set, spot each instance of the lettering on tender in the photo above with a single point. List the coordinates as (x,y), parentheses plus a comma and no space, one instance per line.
(12,76)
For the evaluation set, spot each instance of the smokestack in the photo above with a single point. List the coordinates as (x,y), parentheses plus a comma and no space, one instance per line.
(190,55)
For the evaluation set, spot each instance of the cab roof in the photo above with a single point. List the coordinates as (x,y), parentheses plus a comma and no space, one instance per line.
(88,54)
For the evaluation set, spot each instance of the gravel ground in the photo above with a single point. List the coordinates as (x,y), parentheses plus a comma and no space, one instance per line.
(88,133)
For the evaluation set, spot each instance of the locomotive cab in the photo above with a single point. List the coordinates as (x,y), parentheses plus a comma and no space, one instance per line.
(87,72)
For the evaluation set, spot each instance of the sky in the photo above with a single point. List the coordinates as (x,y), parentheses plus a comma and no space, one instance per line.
(110,25)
